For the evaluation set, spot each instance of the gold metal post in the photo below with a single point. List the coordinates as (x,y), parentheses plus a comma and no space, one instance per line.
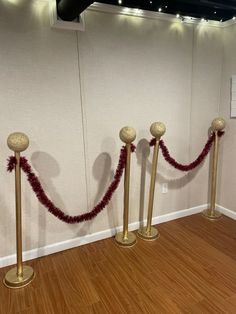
(126,238)
(20,276)
(218,124)
(150,233)
(18,216)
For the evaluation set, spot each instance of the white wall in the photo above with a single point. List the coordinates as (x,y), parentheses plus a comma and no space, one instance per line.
(228,170)
(206,93)
(132,71)
(133,75)
(40,95)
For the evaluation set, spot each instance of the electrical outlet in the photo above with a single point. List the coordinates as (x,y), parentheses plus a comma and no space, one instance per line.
(164,188)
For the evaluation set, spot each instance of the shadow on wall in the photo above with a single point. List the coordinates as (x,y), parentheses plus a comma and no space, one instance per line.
(7,219)
(143,151)
(103,173)
(48,168)
(177,183)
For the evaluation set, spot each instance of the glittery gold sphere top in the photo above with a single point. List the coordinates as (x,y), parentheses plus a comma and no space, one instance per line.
(218,124)
(158,129)
(127,134)
(18,142)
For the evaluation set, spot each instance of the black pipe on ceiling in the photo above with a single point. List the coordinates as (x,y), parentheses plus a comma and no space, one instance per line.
(69,10)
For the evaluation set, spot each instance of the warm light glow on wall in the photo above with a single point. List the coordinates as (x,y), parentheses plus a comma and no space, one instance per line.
(13,2)
(203,30)
(177,28)
(40,8)
(127,10)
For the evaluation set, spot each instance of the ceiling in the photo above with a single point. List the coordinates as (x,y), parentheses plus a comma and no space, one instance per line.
(219,10)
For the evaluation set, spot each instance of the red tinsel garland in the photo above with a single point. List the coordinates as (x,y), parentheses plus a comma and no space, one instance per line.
(193,164)
(44,200)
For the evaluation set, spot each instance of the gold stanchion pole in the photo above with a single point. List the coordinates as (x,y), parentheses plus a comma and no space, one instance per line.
(150,233)
(20,276)
(218,124)
(126,238)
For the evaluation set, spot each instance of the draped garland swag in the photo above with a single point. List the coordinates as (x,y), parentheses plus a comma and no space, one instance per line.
(57,212)
(196,162)
(53,209)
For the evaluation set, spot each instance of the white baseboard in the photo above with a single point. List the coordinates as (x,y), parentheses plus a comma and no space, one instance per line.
(178,214)
(72,243)
(227,212)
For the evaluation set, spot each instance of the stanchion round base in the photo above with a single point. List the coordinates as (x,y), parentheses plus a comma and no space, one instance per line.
(12,281)
(125,242)
(213,215)
(152,235)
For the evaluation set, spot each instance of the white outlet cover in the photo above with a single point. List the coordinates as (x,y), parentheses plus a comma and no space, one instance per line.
(164,188)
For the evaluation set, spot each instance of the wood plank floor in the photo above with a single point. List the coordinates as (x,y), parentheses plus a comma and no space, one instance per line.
(191,268)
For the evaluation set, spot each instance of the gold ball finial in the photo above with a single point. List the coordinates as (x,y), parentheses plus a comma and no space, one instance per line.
(158,129)
(18,142)
(127,134)
(218,124)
